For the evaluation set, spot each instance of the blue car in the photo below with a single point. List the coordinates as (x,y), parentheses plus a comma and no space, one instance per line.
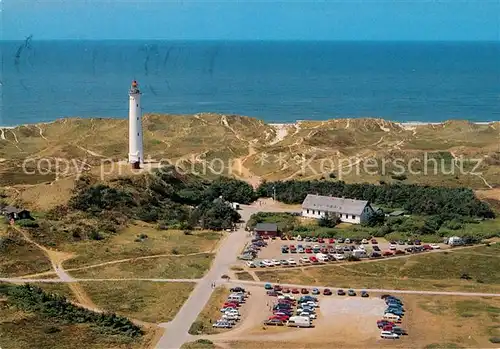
(315,291)
(268,286)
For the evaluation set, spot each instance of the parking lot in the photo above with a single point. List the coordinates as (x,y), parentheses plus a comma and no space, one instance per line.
(278,252)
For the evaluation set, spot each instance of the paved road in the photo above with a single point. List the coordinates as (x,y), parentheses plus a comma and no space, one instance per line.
(176,332)
(333,288)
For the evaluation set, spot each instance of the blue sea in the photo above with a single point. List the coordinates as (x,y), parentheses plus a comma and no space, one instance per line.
(276,81)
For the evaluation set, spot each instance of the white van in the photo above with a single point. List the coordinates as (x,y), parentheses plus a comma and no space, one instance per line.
(388,335)
(236,297)
(299,321)
(391,317)
(359,253)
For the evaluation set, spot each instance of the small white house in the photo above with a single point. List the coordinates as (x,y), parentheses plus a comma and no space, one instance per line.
(348,210)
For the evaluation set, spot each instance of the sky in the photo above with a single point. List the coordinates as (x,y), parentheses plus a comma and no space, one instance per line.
(422,20)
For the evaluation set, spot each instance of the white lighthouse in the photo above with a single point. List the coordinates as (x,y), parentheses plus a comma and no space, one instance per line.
(135,151)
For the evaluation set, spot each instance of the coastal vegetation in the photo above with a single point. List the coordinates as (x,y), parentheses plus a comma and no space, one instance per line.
(33,299)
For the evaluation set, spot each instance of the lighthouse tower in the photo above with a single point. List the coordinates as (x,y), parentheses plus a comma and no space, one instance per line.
(135,151)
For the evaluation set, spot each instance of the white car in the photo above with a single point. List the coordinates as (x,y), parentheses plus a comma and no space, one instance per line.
(338,256)
(230,317)
(435,246)
(388,335)
(311,304)
(392,247)
(250,264)
(275,262)
(307,314)
(232,313)
(267,263)
(364,241)
(292,261)
(304,260)
(347,241)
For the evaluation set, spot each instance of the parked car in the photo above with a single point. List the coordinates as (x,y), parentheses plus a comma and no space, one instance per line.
(292,262)
(339,256)
(331,241)
(374,241)
(274,322)
(417,242)
(295,291)
(222,324)
(285,290)
(261,264)
(376,248)
(277,288)
(435,246)
(340,292)
(304,260)
(340,240)
(313,259)
(401,242)
(364,241)
(388,335)
(327,292)
(304,291)
(376,255)
(283,262)
(300,250)
(251,264)
(351,293)
(347,241)
(364,294)
(309,250)
(387,253)
(399,252)
(315,291)
(392,247)
(237,289)
(427,247)
(268,286)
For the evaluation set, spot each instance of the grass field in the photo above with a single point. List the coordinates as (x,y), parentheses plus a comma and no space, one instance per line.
(153,302)
(210,314)
(244,276)
(30,331)
(59,288)
(199,344)
(19,257)
(124,245)
(188,267)
(433,271)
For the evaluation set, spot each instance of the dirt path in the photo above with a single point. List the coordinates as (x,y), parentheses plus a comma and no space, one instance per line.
(240,171)
(57,258)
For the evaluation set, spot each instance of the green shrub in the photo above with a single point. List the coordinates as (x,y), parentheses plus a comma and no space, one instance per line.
(196,328)
(27,223)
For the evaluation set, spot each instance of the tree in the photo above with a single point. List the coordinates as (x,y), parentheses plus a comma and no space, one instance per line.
(329,220)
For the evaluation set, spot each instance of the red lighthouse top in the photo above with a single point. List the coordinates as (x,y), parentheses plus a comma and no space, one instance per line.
(134,89)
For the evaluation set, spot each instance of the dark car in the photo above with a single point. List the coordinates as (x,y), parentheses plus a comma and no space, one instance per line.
(304,291)
(351,292)
(364,294)
(327,292)
(272,293)
(417,242)
(340,292)
(237,289)
(375,255)
(376,248)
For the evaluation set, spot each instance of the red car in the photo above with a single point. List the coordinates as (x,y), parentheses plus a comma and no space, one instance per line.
(295,291)
(327,292)
(313,259)
(230,305)
(387,253)
(332,241)
(374,241)
(285,290)
(277,288)
(304,291)
(324,250)
(309,250)
(292,247)
(387,327)
(321,240)
(427,247)
(280,317)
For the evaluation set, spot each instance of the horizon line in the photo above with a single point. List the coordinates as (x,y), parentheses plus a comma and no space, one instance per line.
(270,40)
